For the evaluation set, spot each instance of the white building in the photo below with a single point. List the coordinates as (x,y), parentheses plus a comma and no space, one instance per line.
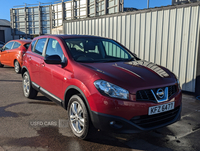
(174,2)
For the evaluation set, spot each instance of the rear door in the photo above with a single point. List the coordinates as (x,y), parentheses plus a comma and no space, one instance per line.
(5,56)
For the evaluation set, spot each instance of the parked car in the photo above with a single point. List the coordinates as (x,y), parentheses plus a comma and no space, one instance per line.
(12,53)
(101,84)
(1,44)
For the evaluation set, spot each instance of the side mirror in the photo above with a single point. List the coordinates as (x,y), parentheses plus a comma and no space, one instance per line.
(1,49)
(54,59)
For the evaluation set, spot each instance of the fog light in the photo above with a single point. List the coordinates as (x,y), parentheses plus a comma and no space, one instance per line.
(116,124)
(112,122)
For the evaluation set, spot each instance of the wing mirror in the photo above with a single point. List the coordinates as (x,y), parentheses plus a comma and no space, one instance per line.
(54,59)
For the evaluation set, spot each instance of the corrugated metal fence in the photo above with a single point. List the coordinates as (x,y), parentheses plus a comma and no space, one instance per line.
(167,36)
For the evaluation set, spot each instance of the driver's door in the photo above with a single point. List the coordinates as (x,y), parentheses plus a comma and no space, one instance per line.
(5,57)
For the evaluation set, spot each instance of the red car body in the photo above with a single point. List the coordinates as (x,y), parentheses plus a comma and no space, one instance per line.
(12,52)
(60,82)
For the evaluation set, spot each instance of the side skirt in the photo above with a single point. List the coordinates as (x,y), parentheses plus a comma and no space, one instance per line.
(47,94)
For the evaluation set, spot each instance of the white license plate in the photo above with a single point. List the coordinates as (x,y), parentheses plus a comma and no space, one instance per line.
(161,108)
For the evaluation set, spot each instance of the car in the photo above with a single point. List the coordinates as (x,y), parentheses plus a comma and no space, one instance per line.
(1,44)
(12,53)
(101,84)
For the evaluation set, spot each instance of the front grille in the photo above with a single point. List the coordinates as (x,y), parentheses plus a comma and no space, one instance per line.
(148,121)
(147,95)
(172,90)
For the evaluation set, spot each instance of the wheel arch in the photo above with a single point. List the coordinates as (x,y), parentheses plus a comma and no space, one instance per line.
(73,90)
(23,70)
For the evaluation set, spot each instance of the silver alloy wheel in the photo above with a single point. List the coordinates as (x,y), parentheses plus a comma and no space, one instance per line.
(76,117)
(26,83)
(16,66)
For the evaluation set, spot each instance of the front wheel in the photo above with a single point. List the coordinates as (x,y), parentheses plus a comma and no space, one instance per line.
(78,117)
(17,67)
(28,90)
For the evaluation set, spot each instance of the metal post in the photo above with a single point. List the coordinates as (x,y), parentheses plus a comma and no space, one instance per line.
(122,5)
(87,11)
(118,6)
(12,22)
(51,18)
(25,19)
(79,8)
(63,11)
(147,3)
(40,20)
(105,7)
(95,7)
(72,7)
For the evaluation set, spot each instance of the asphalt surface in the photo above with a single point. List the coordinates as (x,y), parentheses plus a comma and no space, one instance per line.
(40,124)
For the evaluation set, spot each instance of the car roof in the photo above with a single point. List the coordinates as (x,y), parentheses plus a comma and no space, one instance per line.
(68,36)
(22,41)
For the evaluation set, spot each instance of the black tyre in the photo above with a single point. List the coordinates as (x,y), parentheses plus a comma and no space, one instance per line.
(28,90)
(1,65)
(78,117)
(17,67)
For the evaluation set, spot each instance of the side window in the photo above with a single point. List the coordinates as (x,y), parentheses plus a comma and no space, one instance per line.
(40,46)
(8,46)
(16,45)
(32,45)
(54,48)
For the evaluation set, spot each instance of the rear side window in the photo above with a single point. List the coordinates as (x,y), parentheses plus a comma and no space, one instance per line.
(8,46)
(40,46)
(16,45)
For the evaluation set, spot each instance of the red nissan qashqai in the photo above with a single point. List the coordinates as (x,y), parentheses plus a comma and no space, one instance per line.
(101,84)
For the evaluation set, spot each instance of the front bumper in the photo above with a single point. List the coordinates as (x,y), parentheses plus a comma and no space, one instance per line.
(138,124)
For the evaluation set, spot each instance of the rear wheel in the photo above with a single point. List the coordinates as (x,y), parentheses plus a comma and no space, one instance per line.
(28,90)
(1,65)
(17,67)
(78,117)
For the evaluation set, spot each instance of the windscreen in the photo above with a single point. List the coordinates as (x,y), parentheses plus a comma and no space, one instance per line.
(97,50)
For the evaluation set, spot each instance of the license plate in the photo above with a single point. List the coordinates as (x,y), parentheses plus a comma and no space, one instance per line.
(161,108)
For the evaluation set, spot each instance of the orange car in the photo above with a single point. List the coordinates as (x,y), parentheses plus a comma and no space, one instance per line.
(12,52)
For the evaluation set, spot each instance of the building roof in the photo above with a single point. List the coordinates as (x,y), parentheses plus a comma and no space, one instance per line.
(4,22)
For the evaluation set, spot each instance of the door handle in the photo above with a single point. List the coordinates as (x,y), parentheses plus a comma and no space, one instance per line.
(42,64)
(29,59)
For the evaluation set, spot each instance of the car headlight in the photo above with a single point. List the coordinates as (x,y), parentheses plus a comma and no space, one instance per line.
(178,84)
(179,87)
(109,89)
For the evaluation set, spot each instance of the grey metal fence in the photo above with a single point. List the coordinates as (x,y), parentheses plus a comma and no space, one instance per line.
(167,36)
